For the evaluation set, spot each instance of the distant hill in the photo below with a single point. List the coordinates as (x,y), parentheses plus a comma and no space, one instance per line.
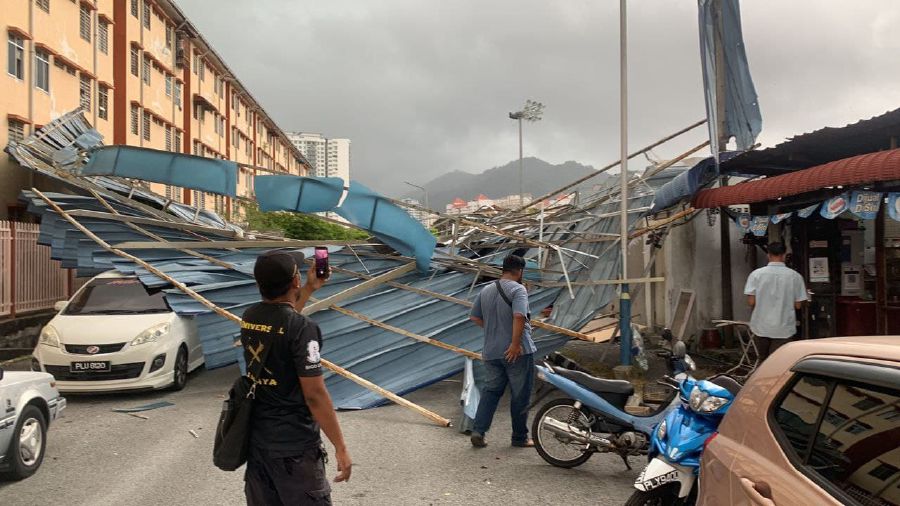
(540,177)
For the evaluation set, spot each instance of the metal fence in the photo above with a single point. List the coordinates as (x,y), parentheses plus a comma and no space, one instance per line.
(29,280)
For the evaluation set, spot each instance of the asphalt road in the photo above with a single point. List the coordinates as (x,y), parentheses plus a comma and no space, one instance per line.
(97,457)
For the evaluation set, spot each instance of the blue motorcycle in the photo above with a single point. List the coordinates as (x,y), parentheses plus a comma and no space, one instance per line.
(678,441)
(592,418)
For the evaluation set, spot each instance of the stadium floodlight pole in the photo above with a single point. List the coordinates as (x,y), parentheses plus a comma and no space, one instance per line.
(531,112)
(624,296)
(425,193)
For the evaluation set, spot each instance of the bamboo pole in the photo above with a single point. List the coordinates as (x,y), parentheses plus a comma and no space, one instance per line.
(466,303)
(358,289)
(403,332)
(197,254)
(287,243)
(230,316)
(611,165)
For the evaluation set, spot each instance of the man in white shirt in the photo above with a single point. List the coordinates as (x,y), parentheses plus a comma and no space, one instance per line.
(774,292)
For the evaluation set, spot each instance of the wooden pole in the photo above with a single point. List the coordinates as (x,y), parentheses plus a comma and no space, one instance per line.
(230,316)
(403,332)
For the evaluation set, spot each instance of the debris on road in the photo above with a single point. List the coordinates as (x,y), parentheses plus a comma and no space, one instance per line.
(146,407)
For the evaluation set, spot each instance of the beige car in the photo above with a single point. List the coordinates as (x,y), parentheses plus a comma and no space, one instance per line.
(818,423)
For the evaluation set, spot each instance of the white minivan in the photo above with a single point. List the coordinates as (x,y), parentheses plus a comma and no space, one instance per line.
(115,334)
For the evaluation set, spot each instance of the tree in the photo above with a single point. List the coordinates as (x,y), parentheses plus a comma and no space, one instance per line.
(299,226)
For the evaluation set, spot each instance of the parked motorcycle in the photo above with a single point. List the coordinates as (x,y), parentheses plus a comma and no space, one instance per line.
(677,443)
(592,419)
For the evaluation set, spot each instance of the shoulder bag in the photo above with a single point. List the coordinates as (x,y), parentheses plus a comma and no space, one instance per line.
(233,431)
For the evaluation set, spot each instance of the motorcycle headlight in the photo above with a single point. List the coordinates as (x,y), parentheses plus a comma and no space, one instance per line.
(712,404)
(661,431)
(697,398)
(151,335)
(49,336)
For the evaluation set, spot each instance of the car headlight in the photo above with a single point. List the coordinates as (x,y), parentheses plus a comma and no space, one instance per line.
(49,336)
(712,404)
(151,335)
(661,431)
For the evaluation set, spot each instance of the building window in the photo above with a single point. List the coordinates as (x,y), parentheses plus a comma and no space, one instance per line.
(177,141)
(16,131)
(171,192)
(134,61)
(168,85)
(883,472)
(85,93)
(103,36)
(178,94)
(145,70)
(146,125)
(195,66)
(134,8)
(43,5)
(202,66)
(84,27)
(103,102)
(146,14)
(42,70)
(134,119)
(16,61)
(168,138)
(170,37)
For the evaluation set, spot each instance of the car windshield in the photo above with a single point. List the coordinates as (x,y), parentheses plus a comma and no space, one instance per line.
(117,296)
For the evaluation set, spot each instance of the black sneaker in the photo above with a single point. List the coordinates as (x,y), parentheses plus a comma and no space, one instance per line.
(477,440)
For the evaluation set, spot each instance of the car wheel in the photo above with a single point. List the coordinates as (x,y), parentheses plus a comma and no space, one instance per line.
(181,370)
(28,444)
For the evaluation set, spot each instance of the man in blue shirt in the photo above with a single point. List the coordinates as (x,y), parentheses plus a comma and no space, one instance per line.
(502,310)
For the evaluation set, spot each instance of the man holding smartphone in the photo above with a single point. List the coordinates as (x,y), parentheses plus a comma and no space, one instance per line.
(286,461)
(501,308)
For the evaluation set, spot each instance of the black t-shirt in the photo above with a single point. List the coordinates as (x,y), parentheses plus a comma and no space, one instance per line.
(281,420)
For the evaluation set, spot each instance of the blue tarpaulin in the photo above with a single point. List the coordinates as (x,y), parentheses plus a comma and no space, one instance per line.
(175,169)
(687,183)
(742,117)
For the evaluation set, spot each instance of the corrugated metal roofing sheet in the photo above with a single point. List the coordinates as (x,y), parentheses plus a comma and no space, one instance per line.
(868,168)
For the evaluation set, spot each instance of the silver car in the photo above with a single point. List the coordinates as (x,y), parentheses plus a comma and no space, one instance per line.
(29,401)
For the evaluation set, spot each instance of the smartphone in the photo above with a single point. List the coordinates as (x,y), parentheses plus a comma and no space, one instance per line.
(321,262)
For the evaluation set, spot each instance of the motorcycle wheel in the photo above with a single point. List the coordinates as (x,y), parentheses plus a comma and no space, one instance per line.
(662,496)
(552,447)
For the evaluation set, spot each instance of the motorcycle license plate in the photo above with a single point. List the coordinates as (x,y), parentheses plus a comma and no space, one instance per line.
(89,367)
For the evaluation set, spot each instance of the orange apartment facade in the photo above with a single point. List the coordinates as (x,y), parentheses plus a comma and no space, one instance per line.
(143,76)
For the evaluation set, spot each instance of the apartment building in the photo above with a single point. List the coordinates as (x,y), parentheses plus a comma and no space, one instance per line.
(328,157)
(144,76)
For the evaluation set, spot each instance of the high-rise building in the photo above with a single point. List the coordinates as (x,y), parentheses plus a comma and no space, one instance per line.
(329,157)
(143,76)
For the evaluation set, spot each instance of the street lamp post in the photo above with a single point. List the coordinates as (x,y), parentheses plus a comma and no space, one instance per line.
(625,297)
(425,192)
(531,112)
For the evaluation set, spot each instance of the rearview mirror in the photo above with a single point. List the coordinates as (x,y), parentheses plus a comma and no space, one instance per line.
(60,305)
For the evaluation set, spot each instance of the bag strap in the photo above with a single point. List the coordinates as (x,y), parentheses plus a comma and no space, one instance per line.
(502,293)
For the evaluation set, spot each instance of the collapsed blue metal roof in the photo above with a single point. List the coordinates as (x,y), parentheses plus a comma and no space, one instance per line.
(393,361)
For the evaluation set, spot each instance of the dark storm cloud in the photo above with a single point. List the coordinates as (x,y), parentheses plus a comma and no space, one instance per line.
(423,87)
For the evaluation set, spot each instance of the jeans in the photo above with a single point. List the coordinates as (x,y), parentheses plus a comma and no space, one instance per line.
(519,375)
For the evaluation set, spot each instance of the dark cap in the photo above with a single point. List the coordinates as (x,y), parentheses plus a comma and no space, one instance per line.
(513,263)
(275,269)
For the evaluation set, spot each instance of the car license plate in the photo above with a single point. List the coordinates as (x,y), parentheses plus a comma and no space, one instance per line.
(89,367)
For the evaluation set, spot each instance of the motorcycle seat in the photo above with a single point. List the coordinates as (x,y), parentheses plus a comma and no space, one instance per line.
(597,385)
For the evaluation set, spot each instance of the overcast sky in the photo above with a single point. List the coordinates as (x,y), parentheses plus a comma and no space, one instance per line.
(423,87)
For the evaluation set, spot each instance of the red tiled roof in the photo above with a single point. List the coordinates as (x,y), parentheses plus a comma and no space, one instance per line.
(868,168)
(482,196)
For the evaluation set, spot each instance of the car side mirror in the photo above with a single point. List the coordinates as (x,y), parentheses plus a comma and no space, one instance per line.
(60,305)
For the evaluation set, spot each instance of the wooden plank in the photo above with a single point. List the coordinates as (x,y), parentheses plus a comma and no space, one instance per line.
(85,213)
(358,289)
(287,243)
(607,282)
(466,303)
(231,316)
(402,332)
